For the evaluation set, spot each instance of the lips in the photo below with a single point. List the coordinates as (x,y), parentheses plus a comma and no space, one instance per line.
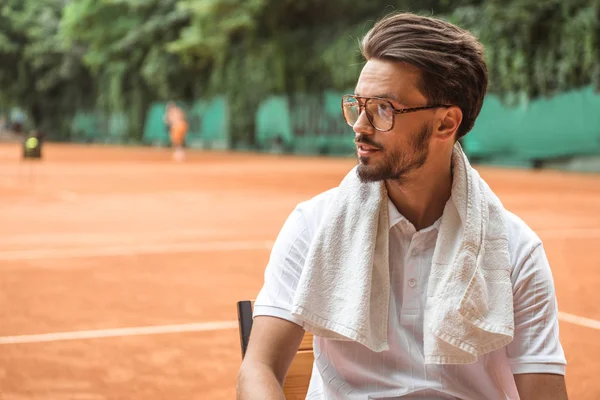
(365,150)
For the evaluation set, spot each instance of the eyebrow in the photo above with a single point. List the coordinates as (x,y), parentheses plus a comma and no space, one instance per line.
(385,96)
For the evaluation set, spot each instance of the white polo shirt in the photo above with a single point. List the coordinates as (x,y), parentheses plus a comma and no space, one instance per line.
(349,370)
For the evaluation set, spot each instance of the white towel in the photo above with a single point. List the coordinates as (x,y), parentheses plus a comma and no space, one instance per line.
(344,288)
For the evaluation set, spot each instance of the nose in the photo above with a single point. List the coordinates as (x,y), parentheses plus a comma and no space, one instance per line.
(362,125)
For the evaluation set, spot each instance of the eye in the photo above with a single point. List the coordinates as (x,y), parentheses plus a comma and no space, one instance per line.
(384,110)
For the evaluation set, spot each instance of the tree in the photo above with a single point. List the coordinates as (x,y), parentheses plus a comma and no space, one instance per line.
(38,72)
(125,50)
(58,56)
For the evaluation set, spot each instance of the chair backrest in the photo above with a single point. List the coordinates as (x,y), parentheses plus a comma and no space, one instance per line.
(297,379)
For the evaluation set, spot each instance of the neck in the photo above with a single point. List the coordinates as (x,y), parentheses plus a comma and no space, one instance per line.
(421,197)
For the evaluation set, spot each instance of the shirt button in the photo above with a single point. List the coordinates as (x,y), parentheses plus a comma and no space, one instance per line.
(412,282)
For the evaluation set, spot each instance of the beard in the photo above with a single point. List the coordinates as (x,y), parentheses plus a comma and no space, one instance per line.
(397,164)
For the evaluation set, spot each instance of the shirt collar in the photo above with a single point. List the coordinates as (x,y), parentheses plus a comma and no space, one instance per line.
(394,218)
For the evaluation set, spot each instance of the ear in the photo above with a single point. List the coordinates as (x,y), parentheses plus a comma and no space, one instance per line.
(448,123)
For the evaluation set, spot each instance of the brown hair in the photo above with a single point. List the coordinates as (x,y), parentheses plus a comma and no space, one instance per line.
(450,59)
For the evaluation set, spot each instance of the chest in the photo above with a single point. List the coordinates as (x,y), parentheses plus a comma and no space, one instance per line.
(410,258)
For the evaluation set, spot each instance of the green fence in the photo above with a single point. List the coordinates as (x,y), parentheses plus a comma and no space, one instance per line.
(98,127)
(304,124)
(208,124)
(558,127)
(563,126)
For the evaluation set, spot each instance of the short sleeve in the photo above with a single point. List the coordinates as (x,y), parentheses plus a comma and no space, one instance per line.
(284,268)
(536,346)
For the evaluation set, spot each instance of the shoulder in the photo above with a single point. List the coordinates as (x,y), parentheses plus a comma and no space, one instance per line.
(527,254)
(313,210)
(521,238)
(300,227)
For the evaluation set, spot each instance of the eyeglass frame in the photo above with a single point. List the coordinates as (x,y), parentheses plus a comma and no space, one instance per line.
(395,110)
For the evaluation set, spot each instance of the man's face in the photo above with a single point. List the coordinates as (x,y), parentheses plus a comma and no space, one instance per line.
(392,155)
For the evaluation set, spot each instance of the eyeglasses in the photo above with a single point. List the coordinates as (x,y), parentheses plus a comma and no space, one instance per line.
(380,112)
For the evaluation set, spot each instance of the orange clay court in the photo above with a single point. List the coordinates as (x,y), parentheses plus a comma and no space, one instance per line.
(120,269)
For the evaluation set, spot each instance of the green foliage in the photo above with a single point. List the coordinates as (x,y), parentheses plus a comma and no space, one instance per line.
(125,49)
(57,56)
(537,48)
(37,71)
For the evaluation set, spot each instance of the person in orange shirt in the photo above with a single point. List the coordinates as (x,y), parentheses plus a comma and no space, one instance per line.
(178,128)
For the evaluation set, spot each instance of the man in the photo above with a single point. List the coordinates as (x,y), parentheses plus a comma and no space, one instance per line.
(178,127)
(420,91)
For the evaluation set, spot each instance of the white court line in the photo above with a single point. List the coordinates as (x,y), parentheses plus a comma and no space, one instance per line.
(155,248)
(120,332)
(198,327)
(162,248)
(577,320)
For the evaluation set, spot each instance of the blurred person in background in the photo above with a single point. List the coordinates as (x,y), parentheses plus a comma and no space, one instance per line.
(177,124)
(414,279)
(17,121)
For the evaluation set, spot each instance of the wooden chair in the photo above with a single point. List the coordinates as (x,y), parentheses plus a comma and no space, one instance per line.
(297,379)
